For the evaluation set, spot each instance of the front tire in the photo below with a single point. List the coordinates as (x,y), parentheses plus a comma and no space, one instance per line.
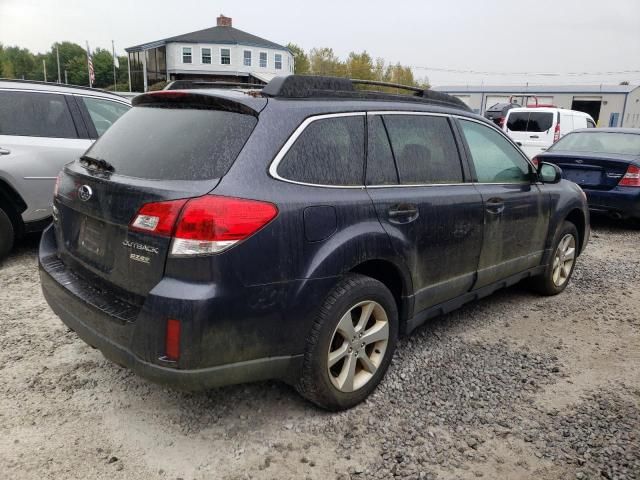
(350,345)
(557,273)
(7,234)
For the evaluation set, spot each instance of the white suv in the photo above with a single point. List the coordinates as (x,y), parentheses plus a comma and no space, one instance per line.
(42,127)
(536,129)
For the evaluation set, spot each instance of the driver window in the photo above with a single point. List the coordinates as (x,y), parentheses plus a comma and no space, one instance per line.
(494,158)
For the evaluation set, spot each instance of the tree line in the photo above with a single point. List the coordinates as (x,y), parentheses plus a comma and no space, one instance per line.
(323,61)
(20,63)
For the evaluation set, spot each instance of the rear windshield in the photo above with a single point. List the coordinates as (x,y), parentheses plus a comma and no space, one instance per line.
(530,121)
(599,142)
(174,143)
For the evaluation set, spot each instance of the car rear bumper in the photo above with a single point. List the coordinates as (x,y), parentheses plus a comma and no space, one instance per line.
(138,344)
(624,201)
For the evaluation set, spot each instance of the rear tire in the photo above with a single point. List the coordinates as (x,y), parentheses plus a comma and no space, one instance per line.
(558,271)
(350,345)
(7,234)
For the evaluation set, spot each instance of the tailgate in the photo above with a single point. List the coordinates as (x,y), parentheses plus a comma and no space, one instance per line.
(94,235)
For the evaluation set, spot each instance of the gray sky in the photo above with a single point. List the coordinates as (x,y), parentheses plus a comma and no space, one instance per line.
(543,36)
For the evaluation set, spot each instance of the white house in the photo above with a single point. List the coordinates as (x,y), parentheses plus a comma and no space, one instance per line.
(221,53)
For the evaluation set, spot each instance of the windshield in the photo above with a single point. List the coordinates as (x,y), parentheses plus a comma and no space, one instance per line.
(173,143)
(599,142)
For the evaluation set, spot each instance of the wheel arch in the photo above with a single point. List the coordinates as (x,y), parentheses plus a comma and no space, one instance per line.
(397,280)
(13,204)
(577,217)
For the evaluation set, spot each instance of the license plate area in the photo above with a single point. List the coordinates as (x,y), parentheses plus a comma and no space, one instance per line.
(583,177)
(92,239)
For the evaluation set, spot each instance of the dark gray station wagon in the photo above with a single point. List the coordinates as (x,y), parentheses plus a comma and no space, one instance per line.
(221,236)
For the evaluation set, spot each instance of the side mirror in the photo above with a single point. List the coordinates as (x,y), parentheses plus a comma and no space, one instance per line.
(549,173)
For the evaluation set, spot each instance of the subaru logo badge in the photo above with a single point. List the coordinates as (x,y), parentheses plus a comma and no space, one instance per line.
(84,192)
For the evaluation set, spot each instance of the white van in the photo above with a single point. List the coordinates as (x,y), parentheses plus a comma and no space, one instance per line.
(536,129)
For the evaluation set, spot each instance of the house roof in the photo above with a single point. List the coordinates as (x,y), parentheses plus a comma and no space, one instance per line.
(536,88)
(224,35)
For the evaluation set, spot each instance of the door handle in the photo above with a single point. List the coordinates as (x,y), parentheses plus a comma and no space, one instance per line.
(495,206)
(534,136)
(403,213)
(4,151)
(519,144)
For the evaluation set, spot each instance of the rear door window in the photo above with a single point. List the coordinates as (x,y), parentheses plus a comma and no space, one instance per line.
(424,149)
(530,121)
(35,114)
(494,158)
(174,143)
(103,112)
(329,151)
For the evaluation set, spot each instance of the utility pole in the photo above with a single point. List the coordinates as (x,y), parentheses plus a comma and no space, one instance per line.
(65,76)
(58,60)
(115,79)
(44,69)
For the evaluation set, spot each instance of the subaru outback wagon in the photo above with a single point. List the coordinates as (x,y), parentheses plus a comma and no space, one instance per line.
(213,237)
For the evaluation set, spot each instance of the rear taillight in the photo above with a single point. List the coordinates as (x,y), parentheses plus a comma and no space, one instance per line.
(556,133)
(159,218)
(172,340)
(204,225)
(535,161)
(631,178)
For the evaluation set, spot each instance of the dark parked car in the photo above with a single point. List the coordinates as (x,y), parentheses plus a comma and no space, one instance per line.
(218,236)
(498,112)
(605,162)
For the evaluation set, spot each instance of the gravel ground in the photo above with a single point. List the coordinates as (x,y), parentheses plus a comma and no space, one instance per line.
(514,386)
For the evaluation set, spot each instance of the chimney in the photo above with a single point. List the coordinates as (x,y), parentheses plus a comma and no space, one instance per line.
(224,21)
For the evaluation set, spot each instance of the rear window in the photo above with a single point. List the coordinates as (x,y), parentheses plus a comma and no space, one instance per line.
(328,152)
(174,143)
(599,142)
(530,121)
(35,115)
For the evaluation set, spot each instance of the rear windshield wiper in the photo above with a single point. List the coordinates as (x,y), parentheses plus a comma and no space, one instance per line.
(96,164)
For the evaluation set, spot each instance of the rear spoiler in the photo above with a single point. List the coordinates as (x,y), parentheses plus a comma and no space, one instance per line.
(195,99)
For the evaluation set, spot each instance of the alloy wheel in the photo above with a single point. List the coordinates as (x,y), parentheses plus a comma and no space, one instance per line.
(563,260)
(357,346)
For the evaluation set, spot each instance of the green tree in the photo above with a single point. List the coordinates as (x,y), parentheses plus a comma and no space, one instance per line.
(22,62)
(360,66)
(301,61)
(103,68)
(324,62)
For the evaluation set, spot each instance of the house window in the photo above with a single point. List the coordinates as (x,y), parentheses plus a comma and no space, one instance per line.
(225,56)
(247,58)
(206,55)
(278,61)
(186,54)
(263,59)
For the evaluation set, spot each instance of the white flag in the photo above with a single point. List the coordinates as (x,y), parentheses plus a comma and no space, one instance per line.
(116,62)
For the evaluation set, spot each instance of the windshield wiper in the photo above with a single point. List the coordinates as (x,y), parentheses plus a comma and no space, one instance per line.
(96,164)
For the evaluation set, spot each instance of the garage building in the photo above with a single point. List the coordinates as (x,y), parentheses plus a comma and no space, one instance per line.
(609,105)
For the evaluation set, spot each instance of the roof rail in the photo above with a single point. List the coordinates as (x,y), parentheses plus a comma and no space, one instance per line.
(56,84)
(192,84)
(303,86)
